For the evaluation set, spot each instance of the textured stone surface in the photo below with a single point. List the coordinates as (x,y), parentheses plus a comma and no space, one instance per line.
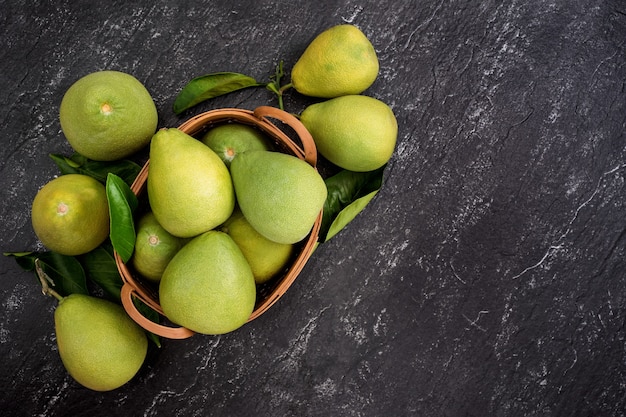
(486,277)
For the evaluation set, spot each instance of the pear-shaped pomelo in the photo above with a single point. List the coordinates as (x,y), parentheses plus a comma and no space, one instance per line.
(339,61)
(266,257)
(154,247)
(189,187)
(354,132)
(208,286)
(279,194)
(101,347)
(230,139)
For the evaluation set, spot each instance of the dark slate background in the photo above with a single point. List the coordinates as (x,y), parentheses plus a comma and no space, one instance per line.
(485,279)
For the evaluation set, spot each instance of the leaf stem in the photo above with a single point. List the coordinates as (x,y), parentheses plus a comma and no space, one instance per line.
(46,281)
(275,87)
(280,101)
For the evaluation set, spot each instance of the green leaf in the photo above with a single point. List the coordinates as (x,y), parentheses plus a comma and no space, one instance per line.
(209,86)
(122,204)
(99,264)
(348,214)
(151,315)
(344,188)
(66,273)
(26,260)
(78,164)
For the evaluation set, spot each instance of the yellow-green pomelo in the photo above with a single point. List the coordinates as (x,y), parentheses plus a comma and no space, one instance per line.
(208,286)
(354,132)
(339,61)
(279,194)
(101,347)
(108,115)
(189,187)
(229,140)
(266,258)
(154,247)
(70,214)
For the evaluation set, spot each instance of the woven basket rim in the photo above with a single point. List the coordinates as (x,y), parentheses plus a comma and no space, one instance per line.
(261,118)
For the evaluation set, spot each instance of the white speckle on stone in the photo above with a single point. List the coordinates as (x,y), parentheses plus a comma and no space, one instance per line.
(14,302)
(380,326)
(326,389)
(353,330)
(4,334)
(352,17)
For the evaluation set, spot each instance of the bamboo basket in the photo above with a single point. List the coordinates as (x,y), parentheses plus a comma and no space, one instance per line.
(267,294)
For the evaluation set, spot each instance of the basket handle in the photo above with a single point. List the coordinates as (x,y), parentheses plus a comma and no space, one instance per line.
(308,149)
(127,294)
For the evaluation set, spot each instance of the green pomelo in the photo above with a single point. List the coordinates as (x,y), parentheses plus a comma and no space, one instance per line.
(70,214)
(108,115)
(266,258)
(229,140)
(189,187)
(101,347)
(208,286)
(354,132)
(339,61)
(154,247)
(279,194)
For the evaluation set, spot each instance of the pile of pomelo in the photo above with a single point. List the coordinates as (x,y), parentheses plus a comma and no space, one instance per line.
(223,210)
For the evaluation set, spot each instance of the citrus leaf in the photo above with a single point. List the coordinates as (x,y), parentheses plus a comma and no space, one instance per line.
(209,86)
(348,214)
(66,273)
(78,164)
(122,204)
(151,315)
(99,264)
(26,260)
(344,188)
(65,164)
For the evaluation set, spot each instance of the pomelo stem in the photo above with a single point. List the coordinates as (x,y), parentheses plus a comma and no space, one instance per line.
(285,88)
(45,279)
